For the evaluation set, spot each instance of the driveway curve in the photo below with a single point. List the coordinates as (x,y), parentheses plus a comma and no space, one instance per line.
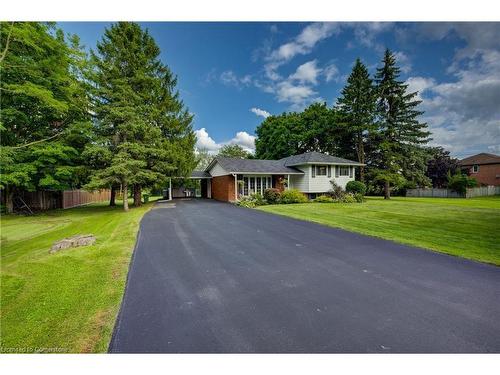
(209,277)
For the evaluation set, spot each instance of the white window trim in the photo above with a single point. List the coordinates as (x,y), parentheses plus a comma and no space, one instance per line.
(347,169)
(475,168)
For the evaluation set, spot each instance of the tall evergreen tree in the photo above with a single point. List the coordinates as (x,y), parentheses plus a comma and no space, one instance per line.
(400,134)
(44,109)
(357,105)
(140,118)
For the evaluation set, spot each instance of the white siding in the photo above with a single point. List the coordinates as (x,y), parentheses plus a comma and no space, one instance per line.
(217,170)
(318,184)
(301,182)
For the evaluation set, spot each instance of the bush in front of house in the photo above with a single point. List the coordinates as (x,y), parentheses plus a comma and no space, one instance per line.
(272,195)
(360,198)
(336,192)
(292,196)
(323,199)
(252,201)
(460,182)
(356,187)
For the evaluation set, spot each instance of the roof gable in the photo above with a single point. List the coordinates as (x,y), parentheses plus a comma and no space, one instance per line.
(482,158)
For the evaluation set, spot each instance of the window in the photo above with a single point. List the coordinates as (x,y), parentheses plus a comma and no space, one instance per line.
(475,168)
(259,185)
(252,185)
(344,171)
(321,170)
(245,185)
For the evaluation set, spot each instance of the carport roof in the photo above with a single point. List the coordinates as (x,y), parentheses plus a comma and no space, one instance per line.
(200,174)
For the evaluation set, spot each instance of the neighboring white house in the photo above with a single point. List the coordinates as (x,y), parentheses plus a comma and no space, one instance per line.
(227,179)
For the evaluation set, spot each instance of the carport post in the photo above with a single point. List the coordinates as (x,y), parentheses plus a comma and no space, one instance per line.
(170,189)
(235,187)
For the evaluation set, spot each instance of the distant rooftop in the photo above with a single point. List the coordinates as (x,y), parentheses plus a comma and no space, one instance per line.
(482,158)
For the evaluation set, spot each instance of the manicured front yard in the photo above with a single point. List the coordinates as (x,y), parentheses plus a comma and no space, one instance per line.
(67,301)
(469,228)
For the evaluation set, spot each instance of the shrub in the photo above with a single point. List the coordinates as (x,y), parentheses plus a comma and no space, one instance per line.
(272,195)
(356,187)
(246,202)
(292,196)
(349,198)
(336,192)
(323,199)
(459,182)
(258,199)
(359,197)
(252,201)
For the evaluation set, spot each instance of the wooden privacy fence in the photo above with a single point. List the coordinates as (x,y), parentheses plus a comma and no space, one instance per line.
(74,198)
(481,191)
(42,200)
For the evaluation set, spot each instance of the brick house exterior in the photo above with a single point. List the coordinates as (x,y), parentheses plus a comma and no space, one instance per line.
(223,188)
(229,179)
(485,168)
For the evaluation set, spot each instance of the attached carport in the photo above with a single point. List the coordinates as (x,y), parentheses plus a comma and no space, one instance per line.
(182,191)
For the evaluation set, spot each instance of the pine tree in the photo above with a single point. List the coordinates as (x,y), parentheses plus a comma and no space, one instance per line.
(400,134)
(140,118)
(357,105)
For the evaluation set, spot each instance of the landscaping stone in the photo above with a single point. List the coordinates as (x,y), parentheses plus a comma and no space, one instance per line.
(75,241)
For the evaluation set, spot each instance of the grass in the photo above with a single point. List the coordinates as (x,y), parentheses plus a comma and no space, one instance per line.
(468,228)
(67,301)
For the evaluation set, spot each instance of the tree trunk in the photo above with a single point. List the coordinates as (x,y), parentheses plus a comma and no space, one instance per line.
(362,160)
(137,195)
(361,157)
(387,190)
(112,199)
(125,196)
(9,200)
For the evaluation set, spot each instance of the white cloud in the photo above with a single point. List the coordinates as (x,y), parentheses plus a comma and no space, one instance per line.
(242,138)
(464,115)
(420,85)
(260,112)
(204,141)
(366,34)
(245,140)
(307,73)
(403,61)
(302,44)
(296,94)
(229,78)
(331,72)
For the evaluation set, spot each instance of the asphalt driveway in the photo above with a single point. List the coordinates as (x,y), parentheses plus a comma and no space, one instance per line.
(210,277)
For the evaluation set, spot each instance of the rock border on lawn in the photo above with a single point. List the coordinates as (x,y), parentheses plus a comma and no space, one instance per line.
(75,241)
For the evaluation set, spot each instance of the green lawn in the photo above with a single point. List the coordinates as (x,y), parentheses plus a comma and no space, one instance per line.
(67,301)
(469,228)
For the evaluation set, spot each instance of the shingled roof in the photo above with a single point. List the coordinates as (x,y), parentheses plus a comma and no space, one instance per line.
(282,166)
(233,165)
(316,158)
(481,159)
(200,174)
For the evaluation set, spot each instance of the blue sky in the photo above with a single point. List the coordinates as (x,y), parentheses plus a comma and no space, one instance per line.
(232,75)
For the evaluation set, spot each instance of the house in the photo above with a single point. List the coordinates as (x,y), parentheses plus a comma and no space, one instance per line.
(485,168)
(228,179)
